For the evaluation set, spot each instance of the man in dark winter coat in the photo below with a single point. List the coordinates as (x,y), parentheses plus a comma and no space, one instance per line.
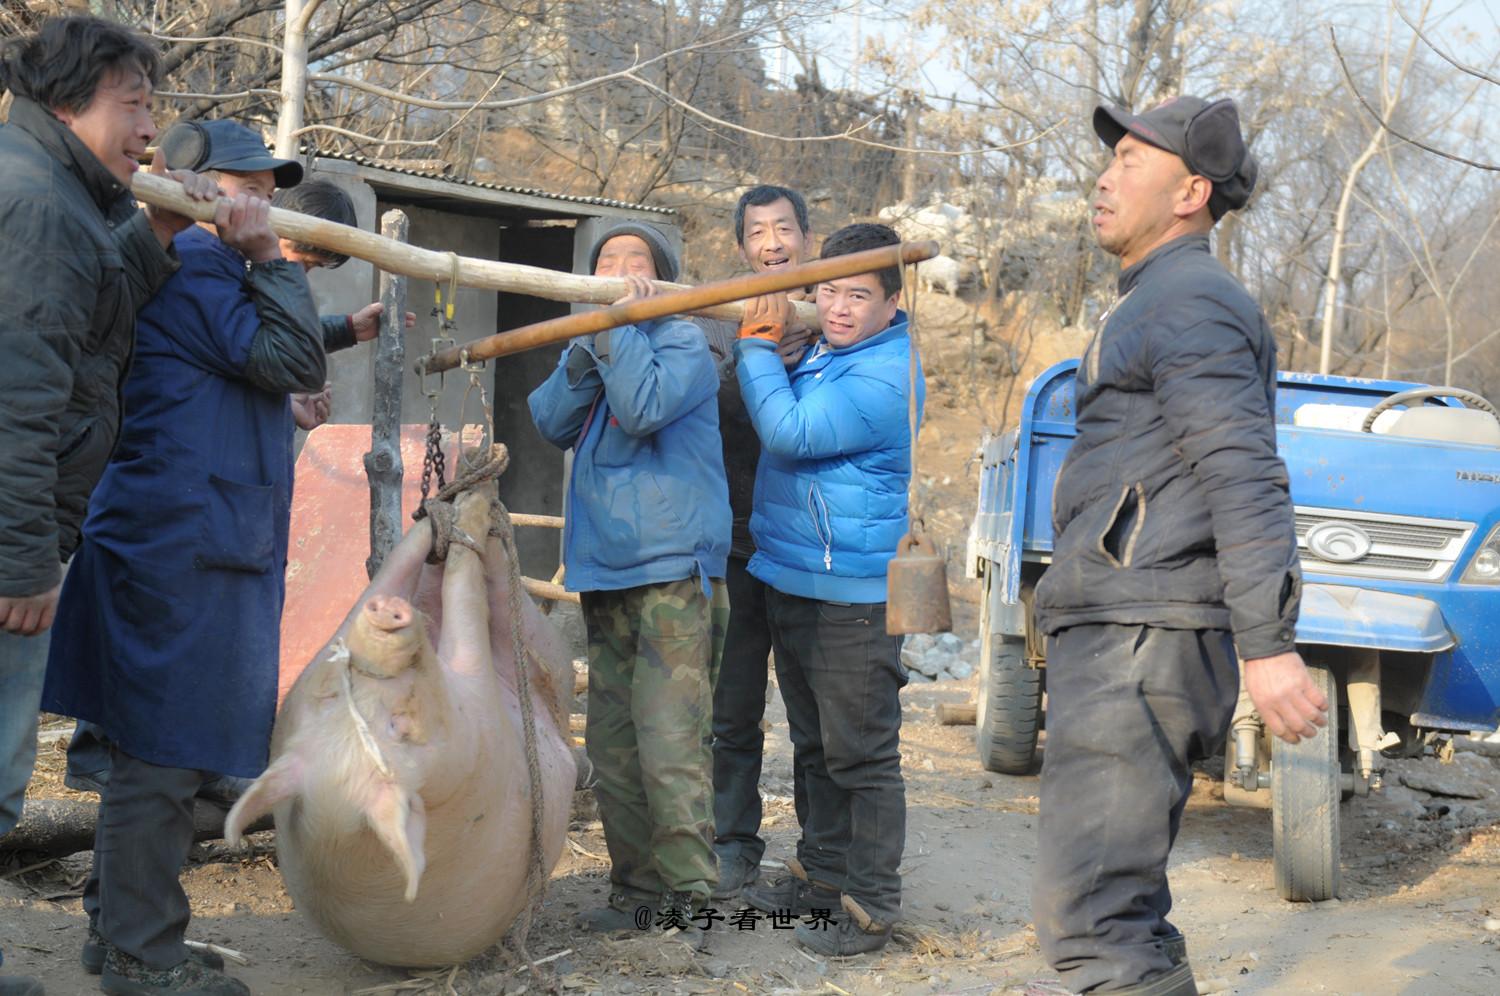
(772,232)
(1174,549)
(79,260)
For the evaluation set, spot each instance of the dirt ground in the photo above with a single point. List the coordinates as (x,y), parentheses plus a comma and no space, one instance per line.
(1419,912)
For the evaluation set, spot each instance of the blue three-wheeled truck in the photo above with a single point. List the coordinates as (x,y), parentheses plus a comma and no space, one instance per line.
(1397,494)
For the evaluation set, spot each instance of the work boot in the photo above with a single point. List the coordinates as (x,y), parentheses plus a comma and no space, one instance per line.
(125,975)
(622,912)
(676,910)
(842,940)
(794,891)
(96,949)
(735,873)
(18,985)
(854,934)
(1175,945)
(1176,982)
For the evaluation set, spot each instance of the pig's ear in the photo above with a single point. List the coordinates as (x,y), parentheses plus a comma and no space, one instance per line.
(399,819)
(281,781)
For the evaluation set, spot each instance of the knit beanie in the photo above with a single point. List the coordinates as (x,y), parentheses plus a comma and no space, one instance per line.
(661,250)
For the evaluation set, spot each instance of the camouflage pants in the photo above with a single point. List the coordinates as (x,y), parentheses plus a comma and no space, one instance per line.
(654,652)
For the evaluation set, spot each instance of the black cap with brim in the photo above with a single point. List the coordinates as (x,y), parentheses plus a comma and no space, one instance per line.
(225,145)
(1205,136)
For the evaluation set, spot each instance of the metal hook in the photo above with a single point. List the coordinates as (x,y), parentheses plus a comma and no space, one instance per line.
(439,343)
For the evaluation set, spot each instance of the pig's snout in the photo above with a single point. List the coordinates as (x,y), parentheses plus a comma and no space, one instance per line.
(386,637)
(389,613)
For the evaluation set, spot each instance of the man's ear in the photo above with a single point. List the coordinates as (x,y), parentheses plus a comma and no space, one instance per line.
(892,305)
(1193,195)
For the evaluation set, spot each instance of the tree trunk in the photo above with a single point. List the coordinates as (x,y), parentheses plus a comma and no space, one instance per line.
(1336,256)
(293,76)
(56,828)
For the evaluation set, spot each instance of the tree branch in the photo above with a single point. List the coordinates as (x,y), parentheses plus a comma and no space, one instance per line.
(848,135)
(1349,78)
(1444,55)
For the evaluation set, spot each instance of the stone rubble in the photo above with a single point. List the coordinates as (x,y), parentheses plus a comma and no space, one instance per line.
(945,657)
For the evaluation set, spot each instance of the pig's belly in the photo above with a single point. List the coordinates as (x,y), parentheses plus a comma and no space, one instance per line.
(474,884)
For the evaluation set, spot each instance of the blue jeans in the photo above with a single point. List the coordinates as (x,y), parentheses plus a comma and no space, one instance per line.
(23,666)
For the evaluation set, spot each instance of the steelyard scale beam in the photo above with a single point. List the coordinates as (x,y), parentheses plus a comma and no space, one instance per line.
(691,300)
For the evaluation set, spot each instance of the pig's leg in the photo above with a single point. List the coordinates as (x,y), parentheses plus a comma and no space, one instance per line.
(429,599)
(552,688)
(399,819)
(403,565)
(464,646)
(397,576)
(281,781)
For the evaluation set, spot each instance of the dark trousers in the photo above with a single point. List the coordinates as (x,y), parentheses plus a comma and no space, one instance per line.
(739,708)
(145,830)
(841,678)
(1128,709)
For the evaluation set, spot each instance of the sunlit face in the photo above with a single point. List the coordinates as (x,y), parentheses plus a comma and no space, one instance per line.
(852,309)
(1135,197)
(773,240)
(258,183)
(625,255)
(116,124)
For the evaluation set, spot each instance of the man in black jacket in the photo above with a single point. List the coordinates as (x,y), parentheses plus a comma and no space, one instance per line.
(1174,548)
(79,261)
(772,232)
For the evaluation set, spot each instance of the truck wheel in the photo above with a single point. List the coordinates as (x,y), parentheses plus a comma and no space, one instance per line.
(1009,715)
(1305,790)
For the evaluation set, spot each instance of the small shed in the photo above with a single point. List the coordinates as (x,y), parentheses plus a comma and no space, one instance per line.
(485,221)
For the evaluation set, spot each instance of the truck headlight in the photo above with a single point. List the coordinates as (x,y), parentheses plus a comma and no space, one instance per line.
(1485,567)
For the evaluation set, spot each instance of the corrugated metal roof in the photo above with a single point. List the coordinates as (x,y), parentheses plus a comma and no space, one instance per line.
(369,163)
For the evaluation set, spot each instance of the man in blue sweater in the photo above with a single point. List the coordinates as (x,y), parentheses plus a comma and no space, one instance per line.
(829,510)
(645,545)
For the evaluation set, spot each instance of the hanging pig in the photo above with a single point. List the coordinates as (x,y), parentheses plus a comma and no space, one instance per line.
(399,774)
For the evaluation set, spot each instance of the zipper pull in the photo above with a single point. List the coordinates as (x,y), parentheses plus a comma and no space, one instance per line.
(827,559)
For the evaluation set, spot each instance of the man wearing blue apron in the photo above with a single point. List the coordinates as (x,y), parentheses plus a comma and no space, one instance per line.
(168,624)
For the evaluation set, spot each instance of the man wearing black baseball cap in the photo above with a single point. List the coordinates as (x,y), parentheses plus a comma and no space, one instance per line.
(1174,551)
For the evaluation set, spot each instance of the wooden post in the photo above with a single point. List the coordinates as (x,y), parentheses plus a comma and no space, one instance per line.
(383,462)
(957,713)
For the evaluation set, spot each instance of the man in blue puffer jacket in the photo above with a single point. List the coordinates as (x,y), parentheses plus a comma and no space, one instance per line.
(645,545)
(830,508)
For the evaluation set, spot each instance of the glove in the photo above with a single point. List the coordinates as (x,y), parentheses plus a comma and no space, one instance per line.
(765,318)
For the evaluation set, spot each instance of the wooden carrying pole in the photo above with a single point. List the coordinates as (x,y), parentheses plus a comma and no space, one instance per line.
(688,301)
(426,264)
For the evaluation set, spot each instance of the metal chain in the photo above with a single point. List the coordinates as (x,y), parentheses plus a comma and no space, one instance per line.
(433,461)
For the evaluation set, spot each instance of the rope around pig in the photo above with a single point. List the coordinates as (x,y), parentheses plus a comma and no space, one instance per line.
(445,531)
